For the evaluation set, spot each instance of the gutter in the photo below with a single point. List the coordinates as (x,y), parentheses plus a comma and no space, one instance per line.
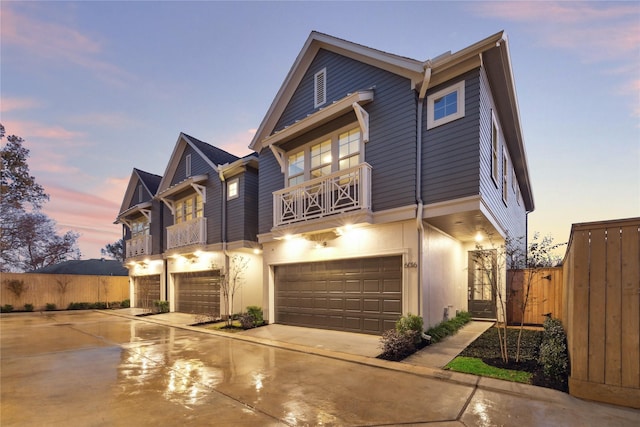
(420,205)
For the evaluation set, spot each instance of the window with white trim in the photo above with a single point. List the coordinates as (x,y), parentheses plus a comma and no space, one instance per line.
(495,144)
(320,88)
(189,208)
(233,188)
(505,176)
(446,105)
(338,151)
(187,161)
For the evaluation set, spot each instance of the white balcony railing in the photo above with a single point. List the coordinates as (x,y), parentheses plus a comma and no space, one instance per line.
(139,245)
(343,191)
(191,232)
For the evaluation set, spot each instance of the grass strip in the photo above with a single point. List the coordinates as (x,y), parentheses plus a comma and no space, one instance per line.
(475,366)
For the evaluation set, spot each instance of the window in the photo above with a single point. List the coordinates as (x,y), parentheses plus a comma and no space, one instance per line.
(296,168)
(139,227)
(187,162)
(189,208)
(140,194)
(446,105)
(338,151)
(232,189)
(505,177)
(495,141)
(320,88)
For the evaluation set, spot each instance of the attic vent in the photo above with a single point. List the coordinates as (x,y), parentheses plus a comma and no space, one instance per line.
(188,165)
(140,194)
(320,80)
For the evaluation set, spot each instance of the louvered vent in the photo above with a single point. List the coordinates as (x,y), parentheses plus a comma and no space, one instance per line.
(320,87)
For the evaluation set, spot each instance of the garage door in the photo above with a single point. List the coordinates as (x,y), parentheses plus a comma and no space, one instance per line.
(198,292)
(359,295)
(147,290)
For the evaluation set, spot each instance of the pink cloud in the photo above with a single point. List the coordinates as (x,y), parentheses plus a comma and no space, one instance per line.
(554,12)
(237,144)
(53,42)
(12,104)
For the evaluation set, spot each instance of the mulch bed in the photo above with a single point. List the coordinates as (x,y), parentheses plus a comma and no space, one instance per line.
(487,348)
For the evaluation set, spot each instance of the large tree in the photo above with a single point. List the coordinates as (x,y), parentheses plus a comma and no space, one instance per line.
(28,238)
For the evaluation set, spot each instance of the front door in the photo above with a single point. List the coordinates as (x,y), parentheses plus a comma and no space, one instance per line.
(482,283)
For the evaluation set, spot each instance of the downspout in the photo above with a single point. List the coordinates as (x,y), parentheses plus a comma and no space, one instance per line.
(420,206)
(223,234)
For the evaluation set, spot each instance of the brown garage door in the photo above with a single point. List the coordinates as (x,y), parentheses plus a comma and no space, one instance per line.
(147,290)
(198,292)
(358,295)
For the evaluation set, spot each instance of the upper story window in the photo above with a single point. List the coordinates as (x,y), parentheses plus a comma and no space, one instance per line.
(189,208)
(445,105)
(320,88)
(187,161)
(505,177)
(338,151)
(233,188)
(140,227)
(140,193)
(495,145)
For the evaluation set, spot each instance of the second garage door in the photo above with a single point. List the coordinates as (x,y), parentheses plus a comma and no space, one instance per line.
(198,293)
(358,295)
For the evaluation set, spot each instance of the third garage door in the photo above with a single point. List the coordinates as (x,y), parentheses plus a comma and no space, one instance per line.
(359,295)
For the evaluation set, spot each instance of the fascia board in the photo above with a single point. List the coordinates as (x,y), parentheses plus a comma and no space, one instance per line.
(240,165)
(128,195)
(405,67)
(201,154)
(170,170)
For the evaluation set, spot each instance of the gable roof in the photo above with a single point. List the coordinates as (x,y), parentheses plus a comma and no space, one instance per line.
(491,53)
(213,156)
(148,180)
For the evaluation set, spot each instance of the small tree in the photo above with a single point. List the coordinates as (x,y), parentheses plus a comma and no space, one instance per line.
(16,287)
(231,281)
(540,255)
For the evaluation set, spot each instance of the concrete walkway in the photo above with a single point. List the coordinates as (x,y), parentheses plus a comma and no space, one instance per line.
(105,368)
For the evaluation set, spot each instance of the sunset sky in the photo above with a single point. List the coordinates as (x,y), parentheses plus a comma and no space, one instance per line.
(98,88)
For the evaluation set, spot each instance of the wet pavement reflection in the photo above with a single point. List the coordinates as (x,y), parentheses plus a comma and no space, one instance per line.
(95,369)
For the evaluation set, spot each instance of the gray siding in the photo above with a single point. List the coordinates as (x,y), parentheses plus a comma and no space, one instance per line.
(270,179)
(511,215)
(392,134)
(156,227)
(242,212)
(451,166)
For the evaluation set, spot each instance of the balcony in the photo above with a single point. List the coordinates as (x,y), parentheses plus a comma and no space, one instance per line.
(341,192)
(192,232)
(139,245)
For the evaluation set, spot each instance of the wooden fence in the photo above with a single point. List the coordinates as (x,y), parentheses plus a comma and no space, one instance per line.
(602,311)
(60,289)
(545,295)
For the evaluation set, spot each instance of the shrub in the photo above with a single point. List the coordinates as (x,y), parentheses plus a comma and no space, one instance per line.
(553,350)
(252,318)
(161,306)
(448,327)
(99,305)
(409,323)
(7,308)
(126,303)
(398,345)
(79,306)
(50,306)
(28,307)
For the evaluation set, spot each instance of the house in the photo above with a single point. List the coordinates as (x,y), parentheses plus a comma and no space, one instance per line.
(87,267)
(205,228)
(142,219)
(378,174)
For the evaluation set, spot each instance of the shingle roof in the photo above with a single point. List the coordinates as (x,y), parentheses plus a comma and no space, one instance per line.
(215,154)
(91,267)
(150,180)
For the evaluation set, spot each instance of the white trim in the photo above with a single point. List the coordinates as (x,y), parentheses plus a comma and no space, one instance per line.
(231,182)
(320,117)
(187,165)
(279,153)
(458,88)
(495,148)
(363,120)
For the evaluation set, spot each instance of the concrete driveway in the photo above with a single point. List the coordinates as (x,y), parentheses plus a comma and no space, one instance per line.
(96,369)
